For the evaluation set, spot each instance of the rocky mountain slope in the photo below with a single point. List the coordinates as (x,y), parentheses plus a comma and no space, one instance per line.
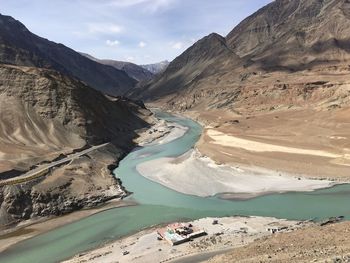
(45,114)
(288,54)
(294,35)
(327,243)
(204,58)
(18,46)
(134,71)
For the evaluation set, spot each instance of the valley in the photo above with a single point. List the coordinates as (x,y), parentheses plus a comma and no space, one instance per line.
(165,205)
(238,146)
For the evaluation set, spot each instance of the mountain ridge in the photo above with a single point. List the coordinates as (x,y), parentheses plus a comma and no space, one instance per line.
(306,38)
(134,71)
(18,46)
(46,115)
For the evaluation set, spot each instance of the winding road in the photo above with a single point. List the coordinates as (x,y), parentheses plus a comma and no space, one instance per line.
(42,169)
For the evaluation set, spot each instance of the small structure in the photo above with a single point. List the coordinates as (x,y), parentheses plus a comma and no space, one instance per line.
(276,229)
(244,230)
(179,233)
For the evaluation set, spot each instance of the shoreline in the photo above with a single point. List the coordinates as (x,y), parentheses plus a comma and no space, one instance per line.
(100,254)
(162,132)
(9,236)
(229,233)
(205,178)
(31,229)
(157,138)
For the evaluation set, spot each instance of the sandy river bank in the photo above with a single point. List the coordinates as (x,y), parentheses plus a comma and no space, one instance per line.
(195,174)
(144,246)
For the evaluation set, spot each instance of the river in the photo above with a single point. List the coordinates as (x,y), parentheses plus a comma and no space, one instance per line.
(158,204)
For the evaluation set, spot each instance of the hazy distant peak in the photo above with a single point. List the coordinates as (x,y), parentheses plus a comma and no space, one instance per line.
(134,71)
(157,68)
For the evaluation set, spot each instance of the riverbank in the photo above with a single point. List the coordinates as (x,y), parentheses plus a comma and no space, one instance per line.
(159,205)
(144,246)
(195,174)
(29,229)
(283,141)
(220,164)
(162,132)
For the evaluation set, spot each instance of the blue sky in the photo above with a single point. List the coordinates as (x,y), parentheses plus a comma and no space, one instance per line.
(140,31)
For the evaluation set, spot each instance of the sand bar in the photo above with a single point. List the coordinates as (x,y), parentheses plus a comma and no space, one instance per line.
(194,174)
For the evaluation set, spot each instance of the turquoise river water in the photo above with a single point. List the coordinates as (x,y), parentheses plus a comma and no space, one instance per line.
(158,204)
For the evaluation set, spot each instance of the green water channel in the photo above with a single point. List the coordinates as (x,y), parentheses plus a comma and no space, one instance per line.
(158,204)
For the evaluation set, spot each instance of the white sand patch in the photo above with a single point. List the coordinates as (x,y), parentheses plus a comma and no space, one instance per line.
(196,175)
(161,133)
(176,132)
(220,138)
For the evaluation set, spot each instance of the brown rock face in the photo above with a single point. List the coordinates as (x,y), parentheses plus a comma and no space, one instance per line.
(205,58)
(44,114)
(269,61)
(43,111)
(84,183)
(294,35)
(18,46)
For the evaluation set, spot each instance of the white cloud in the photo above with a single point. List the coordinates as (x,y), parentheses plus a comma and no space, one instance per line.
(130,59)
(142,44)
(103,28)
(149,5)
(112,43)
(177,45)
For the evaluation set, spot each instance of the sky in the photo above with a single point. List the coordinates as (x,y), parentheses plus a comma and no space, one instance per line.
(139,31)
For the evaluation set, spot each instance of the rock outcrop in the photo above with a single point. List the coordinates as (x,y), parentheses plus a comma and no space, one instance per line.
(84,183)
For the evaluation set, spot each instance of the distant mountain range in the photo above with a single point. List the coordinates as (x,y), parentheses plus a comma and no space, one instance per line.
(141,73)
(157,68)
(134,71)
(281,55)
(18,46)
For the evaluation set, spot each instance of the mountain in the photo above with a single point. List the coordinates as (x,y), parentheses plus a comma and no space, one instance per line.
(156,68)
(134,71)
(44,111)
(290,52)
(18,46)
(45,115)
(294,35)
(202,59)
